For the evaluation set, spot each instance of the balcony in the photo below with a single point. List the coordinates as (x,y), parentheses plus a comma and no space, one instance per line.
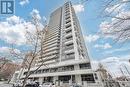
(69,51)
(67,14)
(67,18)
(68,35)
(67,11)
(48,39)
(51,40)
(69,47)
(48,58)
(68,24)
(69,57)
(68,21)
(50,53)
(69,38)
(68,29)
(52,57)
(50,46)
(53,48)
(49,43)
(52,35)
(69,42)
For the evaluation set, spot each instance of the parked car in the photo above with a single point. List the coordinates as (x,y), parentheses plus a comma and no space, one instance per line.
(47,85)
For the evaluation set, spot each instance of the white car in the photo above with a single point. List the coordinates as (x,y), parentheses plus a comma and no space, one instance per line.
(47,85)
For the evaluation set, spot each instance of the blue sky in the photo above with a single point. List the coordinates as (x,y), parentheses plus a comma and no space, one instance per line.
(99,47)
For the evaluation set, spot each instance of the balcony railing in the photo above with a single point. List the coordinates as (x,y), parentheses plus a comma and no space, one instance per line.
(47,44)
(69,39)
(69,47)
(50,53)
(68,34)
(69,51)
(69,57)
(50,46)
(67,29)
(53,48)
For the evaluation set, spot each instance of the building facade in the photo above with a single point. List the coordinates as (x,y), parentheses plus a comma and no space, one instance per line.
(65,48)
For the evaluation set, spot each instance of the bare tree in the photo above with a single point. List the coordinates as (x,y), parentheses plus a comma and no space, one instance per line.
(35,41)
(7,68)
(117,23)
(3,61)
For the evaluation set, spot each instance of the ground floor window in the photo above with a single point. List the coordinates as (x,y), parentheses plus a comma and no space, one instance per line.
(48,79)
(88,77)
(65,79)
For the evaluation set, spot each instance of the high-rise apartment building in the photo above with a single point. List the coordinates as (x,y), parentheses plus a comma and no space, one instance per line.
(65,48)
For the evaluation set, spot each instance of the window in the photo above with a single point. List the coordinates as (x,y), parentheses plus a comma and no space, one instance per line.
(69,44)
(38,72)
(69,31)
(85,66)
(88,77)
(53,70)
(68,68)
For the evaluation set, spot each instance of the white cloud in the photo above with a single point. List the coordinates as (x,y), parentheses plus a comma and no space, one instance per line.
(104,26)
(117,50)
(35,13)
(14,20)
(105,46)
(13,30)
(91,38)
(23,2)
(113,65)
(44,18)
(6,51)
(78,8)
